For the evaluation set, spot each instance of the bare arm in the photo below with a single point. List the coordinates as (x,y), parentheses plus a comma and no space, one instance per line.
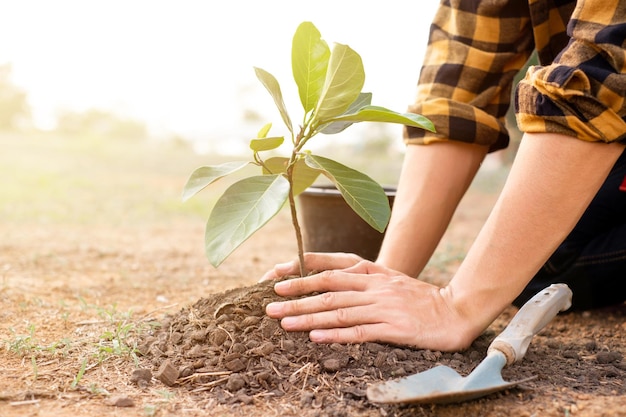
(434,178)
(551,183)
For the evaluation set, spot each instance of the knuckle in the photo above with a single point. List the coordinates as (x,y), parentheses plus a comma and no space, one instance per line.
(308,321)
(293,307)
(360,334)
(342,315)
(327,300)
(327,277)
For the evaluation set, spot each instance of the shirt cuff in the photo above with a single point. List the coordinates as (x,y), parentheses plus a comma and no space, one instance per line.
(457,121)
(563,99)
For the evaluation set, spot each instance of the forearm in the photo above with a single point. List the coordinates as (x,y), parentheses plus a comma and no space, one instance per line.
(551,183)
(433,180)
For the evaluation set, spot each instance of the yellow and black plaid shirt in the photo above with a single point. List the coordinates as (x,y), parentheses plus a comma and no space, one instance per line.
(477,47)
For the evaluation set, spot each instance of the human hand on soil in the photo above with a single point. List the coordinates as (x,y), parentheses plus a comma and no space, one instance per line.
(313,261)
(368,302)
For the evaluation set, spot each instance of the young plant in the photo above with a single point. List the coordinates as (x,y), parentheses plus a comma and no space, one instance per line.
(329,84)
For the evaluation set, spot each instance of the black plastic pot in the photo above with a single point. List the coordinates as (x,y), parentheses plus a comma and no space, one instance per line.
(330,225)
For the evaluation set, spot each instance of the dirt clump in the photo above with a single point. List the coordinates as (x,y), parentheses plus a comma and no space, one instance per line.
(225,347)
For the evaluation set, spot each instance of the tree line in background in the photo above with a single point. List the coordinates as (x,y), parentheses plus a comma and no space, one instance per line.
(16,115)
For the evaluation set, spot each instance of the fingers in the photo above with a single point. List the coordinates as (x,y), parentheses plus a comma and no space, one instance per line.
(319,261)
(332,280)
(313,261)
(281,270)
(318,303)
(356,334)
(343,325)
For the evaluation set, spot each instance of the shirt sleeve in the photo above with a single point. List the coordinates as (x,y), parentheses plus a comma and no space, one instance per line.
(474,51)
(583,92)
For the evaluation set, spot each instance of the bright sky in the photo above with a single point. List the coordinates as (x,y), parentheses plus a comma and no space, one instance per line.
(185,66)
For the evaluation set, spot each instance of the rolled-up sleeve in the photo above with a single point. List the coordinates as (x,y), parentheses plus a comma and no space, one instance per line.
(583,92)
(475,49)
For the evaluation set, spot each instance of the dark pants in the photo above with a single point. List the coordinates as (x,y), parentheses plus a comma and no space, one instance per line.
(592,259)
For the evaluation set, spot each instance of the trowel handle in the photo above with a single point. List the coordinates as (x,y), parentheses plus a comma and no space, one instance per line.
(530,319)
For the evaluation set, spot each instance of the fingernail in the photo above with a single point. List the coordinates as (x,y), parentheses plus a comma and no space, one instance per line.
(273,309)
(317,336)
(288,322)
(281,286)
(284,267)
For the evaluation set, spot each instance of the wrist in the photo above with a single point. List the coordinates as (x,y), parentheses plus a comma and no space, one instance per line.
(473,312)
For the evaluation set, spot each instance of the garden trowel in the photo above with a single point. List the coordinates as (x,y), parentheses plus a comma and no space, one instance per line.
(444,385)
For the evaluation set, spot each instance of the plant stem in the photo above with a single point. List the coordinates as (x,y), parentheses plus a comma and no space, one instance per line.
(292,201)
(296,227)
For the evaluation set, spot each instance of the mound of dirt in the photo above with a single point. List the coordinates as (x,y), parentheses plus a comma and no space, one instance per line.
(225,347)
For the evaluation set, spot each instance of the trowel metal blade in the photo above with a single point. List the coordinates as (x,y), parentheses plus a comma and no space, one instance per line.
(444,385)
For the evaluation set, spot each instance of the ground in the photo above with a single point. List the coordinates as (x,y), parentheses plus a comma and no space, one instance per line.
(110,308)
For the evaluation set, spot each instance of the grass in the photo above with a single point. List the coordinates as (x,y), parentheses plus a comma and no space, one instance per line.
(50,178)
(67,327)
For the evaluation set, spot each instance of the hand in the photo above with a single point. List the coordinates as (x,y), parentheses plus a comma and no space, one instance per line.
(368,302)
(313,261)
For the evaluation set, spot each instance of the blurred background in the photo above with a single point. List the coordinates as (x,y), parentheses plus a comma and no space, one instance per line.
(183,70)
(106,107)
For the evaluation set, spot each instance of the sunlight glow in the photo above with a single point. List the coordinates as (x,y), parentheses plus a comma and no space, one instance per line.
(186,66)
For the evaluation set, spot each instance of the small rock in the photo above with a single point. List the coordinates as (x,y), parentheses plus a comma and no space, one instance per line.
(195,352)
(235,365)
(608,357)
(186,371)
(400,354)
(250,321)
(141,377)
(334,364)
(144,347)
(571,354)
(217,337)
(235,383)
(289,345)
(374,347)
(120,401)
(167,373)
(238,348)
(264,350)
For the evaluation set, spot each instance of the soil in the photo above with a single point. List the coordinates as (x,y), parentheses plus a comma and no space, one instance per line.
(126,318)
(223,348)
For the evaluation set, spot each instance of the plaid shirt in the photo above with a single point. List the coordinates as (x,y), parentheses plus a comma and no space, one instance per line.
(477,47)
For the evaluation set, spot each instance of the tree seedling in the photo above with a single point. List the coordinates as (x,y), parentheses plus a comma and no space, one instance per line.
(329,83)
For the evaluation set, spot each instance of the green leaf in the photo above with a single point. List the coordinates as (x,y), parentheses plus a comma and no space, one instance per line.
(244,208)
(383,115)
(364,99)
(264,131)
(309,63)
(270,83)
(366,197)
(303,175)
(266,144)
(206,175)
(275,165)
(344,80)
